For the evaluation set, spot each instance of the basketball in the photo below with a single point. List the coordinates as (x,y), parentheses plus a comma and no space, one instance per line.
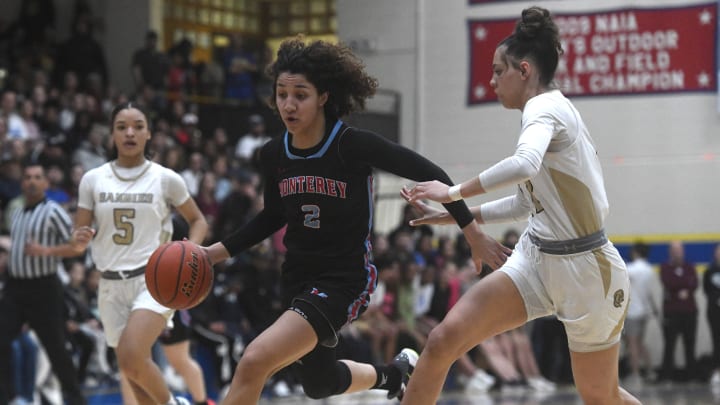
(179,275)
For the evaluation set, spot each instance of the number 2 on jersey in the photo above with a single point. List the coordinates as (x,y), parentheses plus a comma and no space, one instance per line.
(312,216)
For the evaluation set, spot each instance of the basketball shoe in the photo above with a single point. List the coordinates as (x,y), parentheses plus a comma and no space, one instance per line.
(405,361)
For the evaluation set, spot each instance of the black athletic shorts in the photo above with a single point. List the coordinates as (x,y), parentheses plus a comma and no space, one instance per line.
(328,300)
(180,331)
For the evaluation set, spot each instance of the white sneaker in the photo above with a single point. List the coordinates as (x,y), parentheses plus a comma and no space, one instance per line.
(479,383)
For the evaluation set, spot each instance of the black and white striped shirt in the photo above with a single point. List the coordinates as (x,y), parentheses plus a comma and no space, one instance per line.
(46,223)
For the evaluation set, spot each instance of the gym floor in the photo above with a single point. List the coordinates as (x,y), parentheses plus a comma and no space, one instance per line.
(655,394)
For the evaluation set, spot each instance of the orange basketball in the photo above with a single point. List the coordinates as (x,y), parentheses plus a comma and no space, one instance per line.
(179,274)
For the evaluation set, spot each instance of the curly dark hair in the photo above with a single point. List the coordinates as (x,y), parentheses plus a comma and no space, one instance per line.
(536,37)
(331,68)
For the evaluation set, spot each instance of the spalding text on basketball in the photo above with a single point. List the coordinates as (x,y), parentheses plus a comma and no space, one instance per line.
(188,287)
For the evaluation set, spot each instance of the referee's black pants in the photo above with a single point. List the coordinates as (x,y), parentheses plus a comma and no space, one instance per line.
(39,302)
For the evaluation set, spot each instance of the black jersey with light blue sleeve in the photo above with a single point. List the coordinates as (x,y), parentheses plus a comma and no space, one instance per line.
(325,194)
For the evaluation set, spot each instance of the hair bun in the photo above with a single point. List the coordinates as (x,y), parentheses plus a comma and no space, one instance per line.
(534,21)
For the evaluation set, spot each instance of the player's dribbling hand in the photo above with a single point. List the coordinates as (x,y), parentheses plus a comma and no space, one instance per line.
(430,215)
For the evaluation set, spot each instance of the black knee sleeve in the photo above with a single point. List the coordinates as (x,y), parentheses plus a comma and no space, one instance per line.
(326,381)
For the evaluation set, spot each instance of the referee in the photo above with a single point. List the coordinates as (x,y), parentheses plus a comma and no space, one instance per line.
(33,293)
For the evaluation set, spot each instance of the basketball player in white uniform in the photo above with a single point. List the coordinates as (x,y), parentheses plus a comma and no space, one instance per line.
(129,200)
(563,263)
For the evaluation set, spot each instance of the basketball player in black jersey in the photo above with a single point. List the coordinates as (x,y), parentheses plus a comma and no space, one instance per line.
(318,182)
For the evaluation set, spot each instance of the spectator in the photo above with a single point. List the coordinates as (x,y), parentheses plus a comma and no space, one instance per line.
(221,142)
(236,208)
(149,65)
(4,139)
(194,173)
(76,173)
(679,280)
(377,323)
(40,233)
(179,78)
(206,199)
(252,141)
(27,113)
(16,128)
(212,77)
(641,307)
(174,158)
(240,67)
(81,53)
(91,153)
(223,184)
(25,353)
(36,21)
(39,98)
(189,135)
(78,319)
(56,139)
(56,186)
(711,287)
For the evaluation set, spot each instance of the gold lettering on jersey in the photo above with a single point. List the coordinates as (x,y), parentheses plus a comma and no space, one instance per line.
(106,197)
(312,185)
(189,286)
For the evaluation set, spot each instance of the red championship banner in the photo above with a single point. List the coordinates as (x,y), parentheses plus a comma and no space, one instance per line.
(624,51)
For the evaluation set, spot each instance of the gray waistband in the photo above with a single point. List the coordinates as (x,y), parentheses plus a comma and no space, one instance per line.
(572,246)
(122,274)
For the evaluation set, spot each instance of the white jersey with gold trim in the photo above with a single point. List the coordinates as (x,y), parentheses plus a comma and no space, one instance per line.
(132,210)
(557,173)
(568,193)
